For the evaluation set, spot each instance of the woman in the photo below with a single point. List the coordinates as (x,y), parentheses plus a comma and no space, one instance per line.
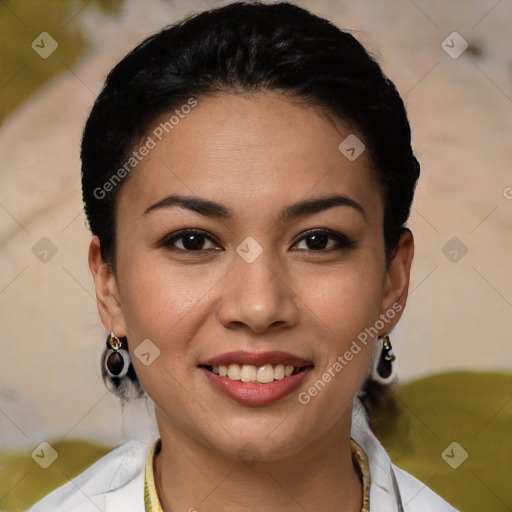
(247,175)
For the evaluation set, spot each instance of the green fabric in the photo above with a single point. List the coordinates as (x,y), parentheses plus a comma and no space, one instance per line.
(473,409)
(416,424)
(23,482)
(23,71)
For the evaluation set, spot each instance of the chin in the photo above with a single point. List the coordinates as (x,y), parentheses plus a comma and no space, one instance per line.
(262,437)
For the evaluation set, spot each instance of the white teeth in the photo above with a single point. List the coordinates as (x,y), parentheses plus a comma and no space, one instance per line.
(249,373)
(265,374)
(234,372)
(279,372)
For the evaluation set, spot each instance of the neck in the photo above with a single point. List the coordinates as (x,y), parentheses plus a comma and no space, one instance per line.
(191,476)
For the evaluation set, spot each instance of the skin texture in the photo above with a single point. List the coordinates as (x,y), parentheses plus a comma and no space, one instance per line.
(255,154)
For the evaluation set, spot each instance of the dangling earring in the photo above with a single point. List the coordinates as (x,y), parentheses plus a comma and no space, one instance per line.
(117,359)
(382,366)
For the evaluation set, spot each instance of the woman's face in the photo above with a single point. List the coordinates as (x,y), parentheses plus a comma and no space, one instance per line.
(269,276)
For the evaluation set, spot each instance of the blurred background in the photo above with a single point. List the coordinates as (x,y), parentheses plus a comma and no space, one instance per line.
(452,64)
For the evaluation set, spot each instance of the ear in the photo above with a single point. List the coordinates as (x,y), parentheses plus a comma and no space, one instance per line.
(107,292)
(396,282)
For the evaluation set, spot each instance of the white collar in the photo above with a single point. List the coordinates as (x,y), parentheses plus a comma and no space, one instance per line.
(383,484)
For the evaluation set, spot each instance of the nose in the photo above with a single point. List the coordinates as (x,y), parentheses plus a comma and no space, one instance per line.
(258,296)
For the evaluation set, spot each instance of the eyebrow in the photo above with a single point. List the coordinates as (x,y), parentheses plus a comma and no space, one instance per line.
(210,208)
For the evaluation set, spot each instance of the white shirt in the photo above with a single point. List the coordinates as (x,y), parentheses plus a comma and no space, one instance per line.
(115,483)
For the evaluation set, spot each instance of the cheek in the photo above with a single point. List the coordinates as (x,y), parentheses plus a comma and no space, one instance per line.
(346,300)
(166,305)
(157,305)
(157,298)
(345,305)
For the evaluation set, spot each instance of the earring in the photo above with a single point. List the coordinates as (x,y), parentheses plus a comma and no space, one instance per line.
(117,359)
(382,367)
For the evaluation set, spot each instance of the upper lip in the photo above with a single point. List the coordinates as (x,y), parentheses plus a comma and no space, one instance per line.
(242,357)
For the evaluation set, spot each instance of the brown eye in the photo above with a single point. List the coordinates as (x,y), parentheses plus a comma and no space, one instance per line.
(193,242)
(319,240)
(189,240)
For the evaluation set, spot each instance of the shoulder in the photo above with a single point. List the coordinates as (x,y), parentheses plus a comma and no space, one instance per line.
(114,482)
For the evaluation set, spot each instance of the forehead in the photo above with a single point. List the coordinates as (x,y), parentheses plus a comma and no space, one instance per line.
(241,150)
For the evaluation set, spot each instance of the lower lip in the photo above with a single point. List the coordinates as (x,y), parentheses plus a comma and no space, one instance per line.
(254,393)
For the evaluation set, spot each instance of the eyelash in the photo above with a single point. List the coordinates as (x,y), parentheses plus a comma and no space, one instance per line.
(343,242)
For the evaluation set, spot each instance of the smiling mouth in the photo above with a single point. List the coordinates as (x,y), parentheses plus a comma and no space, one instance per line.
(264,374)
